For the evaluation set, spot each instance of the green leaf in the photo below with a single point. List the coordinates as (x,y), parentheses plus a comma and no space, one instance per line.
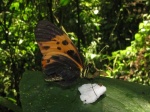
(141,25)
(138,37)
(38,96)
(64,2)
(14,5)
(25,17)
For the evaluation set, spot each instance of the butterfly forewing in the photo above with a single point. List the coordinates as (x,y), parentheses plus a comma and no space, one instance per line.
(61,60)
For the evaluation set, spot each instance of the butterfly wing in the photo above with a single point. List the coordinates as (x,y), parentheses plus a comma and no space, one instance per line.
(61,60)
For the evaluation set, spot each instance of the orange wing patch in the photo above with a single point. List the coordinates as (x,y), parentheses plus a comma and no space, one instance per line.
(61,60)
(59,45)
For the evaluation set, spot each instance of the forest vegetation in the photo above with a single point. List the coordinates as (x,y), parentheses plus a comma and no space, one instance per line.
(112,35)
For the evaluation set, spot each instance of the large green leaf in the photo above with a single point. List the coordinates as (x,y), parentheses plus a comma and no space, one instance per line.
(40,96)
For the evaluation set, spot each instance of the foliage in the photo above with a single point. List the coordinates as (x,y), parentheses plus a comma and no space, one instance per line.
(93,58)
(132,64)
(9,104)
(97,24)
(17,46)
(38,95)
(120,21)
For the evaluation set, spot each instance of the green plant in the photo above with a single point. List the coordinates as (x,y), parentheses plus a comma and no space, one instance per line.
(17,46)
(132,64)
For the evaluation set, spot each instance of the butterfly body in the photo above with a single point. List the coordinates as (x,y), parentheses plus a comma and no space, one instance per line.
(61,60)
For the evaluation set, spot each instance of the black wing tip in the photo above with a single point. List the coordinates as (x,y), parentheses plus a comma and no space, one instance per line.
(44,23)
(46,30)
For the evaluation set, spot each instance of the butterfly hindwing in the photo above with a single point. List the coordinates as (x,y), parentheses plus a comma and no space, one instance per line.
(61,60)
(62,68)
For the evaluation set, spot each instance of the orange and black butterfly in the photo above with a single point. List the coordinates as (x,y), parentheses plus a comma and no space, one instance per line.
(61,61)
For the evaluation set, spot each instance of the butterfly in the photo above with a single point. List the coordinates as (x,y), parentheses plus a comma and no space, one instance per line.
(61,61)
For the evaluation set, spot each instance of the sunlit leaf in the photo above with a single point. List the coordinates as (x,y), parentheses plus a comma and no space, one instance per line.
(138,37)
(25,17)
(14,5)
(64,2)
(141,25)
(20,41)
